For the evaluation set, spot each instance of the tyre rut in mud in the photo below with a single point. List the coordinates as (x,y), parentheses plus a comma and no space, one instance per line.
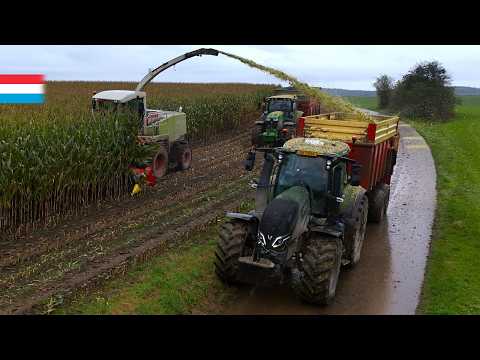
(109,231)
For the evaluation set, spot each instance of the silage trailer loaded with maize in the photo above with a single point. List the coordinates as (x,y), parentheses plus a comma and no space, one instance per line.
(373,145)
(313,200)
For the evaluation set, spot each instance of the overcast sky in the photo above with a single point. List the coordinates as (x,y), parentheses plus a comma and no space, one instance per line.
(339,66)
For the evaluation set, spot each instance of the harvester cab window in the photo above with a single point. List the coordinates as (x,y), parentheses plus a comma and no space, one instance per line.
(105,106)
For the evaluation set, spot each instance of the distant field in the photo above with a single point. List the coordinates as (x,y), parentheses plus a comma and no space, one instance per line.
(367,102)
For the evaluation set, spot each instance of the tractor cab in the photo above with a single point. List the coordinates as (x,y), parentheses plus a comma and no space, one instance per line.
(319,166)
(283,106)
(278,121)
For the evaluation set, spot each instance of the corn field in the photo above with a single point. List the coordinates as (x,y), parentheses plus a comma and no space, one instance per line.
(57,160)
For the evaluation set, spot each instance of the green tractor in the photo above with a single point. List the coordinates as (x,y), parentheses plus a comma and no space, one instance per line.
(278,121)
(310,218)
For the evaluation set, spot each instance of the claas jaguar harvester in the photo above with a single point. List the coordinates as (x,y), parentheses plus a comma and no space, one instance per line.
(313,200)
(163,131)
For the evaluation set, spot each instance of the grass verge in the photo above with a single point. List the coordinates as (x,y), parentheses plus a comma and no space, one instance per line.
(452,279)
(180,281)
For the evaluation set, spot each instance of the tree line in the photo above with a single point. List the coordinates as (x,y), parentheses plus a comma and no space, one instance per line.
(424,92)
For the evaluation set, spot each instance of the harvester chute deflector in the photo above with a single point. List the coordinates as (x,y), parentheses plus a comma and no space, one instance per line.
(152,74)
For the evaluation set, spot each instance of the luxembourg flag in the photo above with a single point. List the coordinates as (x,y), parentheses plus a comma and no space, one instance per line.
(21,89)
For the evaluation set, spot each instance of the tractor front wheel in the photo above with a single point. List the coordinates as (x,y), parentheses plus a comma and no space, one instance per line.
(232,244)
(318,270)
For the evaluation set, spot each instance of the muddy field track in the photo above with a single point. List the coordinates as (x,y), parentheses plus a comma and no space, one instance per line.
(54,263)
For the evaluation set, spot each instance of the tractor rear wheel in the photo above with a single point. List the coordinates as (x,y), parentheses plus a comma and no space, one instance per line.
(317,276)
(183,153)
(379,203)
(355,231)
(232,244)
(160,163)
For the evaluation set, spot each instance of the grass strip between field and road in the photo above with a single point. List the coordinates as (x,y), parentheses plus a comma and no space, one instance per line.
(452,279)
(180,281)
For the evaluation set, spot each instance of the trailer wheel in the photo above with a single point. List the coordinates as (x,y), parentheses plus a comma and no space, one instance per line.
(160,163)
(183,154)
(316,279)
(355,231)
(232,244)
(379,203)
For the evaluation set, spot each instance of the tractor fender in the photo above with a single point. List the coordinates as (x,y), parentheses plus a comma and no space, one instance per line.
(328,230)
(249,219)
(352,195)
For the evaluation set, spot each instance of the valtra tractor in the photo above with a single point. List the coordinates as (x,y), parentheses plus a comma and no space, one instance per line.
(313,200)
(164,132)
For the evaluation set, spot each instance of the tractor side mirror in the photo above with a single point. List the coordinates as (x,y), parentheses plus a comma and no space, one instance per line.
(356,174)
(250,161)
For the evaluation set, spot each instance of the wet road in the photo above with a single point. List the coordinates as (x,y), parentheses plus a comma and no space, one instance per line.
(389,277)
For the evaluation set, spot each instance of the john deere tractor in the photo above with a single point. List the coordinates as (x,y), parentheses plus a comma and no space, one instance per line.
(309,219)
(278,121)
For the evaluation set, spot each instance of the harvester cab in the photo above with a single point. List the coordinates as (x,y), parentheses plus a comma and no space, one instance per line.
(123,101)
(310,216)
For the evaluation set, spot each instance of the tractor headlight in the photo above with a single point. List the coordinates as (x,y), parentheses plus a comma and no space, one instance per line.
(261,239)
(279,241)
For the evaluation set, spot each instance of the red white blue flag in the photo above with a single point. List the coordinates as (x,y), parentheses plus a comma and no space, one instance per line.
(22,89)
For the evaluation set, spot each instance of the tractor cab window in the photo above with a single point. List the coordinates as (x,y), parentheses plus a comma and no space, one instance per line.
(310,172)
(280,105)
(338,180)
